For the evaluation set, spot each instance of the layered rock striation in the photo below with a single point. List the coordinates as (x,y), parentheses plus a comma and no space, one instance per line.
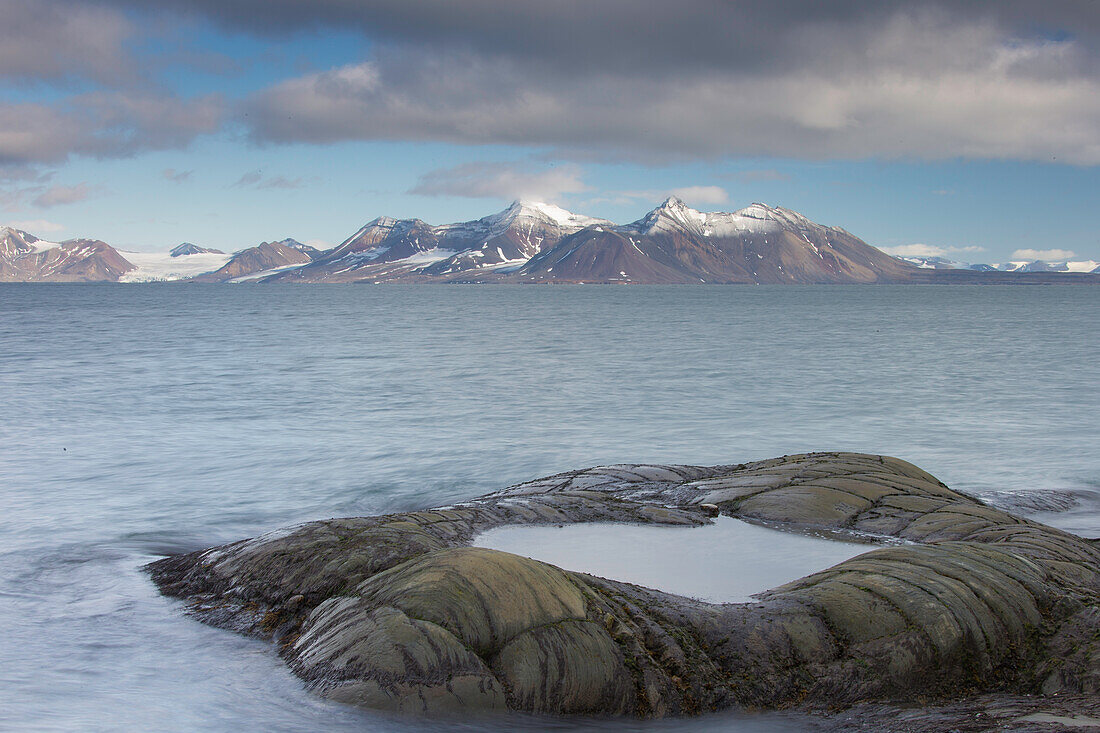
(397,612)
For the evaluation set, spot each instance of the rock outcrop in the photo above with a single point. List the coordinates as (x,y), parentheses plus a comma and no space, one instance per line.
(397,612)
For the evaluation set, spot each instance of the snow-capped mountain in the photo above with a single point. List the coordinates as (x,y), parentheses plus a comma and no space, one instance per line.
(537,242)
(186,248)
(26,258)
(942,263)
(265,259)
(1041,266)
(389,249)
(15,242)
(310,250)
(934,263)
(675,243)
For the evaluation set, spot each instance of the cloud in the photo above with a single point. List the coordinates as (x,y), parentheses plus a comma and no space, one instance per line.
(647,35)
(249,179)
(1046,255)
(281,182)
(103,124)
(701,194)
(64,41)
(501,180)
(59,195)
(256,179)
(991,109)
(38,226)
(927,250)
(176,176)
(833,80)
(639,80)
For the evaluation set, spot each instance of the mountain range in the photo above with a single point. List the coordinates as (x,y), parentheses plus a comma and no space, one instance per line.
(942,263)
(528,243)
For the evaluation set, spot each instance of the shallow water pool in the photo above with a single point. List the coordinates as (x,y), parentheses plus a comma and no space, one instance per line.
(727,561)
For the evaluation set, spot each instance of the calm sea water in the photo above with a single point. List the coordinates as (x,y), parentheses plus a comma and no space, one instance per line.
(146,419)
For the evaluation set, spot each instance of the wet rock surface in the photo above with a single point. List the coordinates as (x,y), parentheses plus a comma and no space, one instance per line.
(970,611)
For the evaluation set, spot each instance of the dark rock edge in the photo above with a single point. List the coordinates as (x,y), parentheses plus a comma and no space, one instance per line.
(978,620)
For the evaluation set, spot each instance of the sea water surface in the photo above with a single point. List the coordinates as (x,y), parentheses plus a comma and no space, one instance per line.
(142,420)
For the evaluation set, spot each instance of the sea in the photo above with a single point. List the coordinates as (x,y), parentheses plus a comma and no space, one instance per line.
(143,420)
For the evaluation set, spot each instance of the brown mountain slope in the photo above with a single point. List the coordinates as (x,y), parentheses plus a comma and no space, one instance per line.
(412,250)
(263,257)
(677,244)
(25,258)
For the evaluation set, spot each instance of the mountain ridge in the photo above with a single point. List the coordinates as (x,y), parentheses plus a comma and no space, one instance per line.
(531,242)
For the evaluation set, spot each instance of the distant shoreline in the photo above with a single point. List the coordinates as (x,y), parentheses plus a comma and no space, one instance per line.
(934,277)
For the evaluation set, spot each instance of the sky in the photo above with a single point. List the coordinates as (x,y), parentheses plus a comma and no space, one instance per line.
(953,128)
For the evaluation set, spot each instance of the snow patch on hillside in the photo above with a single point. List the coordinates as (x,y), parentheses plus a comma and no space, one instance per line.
(42,245)
(264,273)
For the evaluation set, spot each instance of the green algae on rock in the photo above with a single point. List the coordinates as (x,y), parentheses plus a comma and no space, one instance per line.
(398,613)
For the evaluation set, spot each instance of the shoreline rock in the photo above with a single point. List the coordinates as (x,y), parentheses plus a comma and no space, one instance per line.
(398,613)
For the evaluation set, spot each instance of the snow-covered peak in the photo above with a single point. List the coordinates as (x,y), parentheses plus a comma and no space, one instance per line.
(757,218)
(1080,266)
(6,231)
(186,248)
(756,210)
(675,207)
(1045,266)
(540,211)
(295,244)
(15,242)
(671,215)
(381,222)
(379,228)
(933,262)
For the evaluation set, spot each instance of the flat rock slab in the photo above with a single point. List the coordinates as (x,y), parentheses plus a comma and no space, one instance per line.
(399,613)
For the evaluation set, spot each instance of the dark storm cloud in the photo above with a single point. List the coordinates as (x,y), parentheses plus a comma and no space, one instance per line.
(641,34)
(613,79)
(657,81)
(63,41)
(999,106)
